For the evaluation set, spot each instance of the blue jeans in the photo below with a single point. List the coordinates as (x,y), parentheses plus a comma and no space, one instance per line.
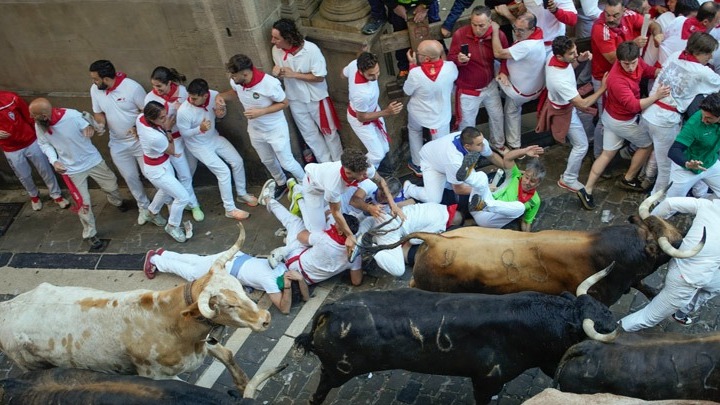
(455,12)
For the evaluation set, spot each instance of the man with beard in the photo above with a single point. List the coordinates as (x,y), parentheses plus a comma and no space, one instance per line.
(64,137)
(263,99)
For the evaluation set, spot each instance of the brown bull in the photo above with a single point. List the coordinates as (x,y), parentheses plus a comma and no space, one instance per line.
(498,261)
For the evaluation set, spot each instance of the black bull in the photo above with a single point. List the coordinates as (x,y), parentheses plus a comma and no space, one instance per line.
(645,365)
(491,339)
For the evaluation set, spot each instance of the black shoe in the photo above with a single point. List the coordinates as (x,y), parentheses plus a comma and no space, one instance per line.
(124,206)
(373,26)
(586,199)
(632,185)
(687,321)
(280,191)
(95,242)
(467,166)
(476,203)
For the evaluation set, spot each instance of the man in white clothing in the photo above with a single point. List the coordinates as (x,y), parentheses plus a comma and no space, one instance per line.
(690,281)
(64,137)
(682,27)
(429,86)
(552,17)
(263,99)
(117,100)
(301,66)
(521,76)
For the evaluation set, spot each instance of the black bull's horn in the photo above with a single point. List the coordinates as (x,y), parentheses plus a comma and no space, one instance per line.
(589,324)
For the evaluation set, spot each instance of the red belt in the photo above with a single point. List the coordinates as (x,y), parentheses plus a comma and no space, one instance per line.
(559,106)
(296,258)
(176,134)
(526,95)
(666,106)
(378,124)
(155,161)
(548,43)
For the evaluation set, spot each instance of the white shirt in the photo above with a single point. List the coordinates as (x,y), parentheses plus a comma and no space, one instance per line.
(443,156)
(686,80)
(121,106)
(326,258)
(189,118)
(430,101)
(325,179)
(697,270)
(561,84)
(552,28)
(369,187)
(264,94)
(673,41)
(362,97)
(526,66)
(67,143)
(309,59)
(715,61)
(153,140)
(257,273)
(170,107)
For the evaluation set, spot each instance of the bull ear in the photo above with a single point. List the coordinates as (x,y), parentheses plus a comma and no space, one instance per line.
(207,304)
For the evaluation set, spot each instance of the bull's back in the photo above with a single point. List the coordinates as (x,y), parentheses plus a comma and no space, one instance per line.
(499,261)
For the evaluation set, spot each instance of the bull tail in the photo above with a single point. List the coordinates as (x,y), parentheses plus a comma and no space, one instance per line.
(426,237)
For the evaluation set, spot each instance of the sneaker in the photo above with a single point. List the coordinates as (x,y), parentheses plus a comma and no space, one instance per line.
(477,203)
(687,321)
(267,191)
(248,199)
(95,242)
(276,257)
(415,169)
(631,185)
(197,214)
(564,185)
(295,204)
(467,166)
(148,267)
(373,26)
(586,199)
(146,216)
(176,232)
(62,202)
(36,203)
(291,183)
(280,190)
(237,214)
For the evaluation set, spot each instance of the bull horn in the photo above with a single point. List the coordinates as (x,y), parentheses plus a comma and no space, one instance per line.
(681,254)
(583,288)
(644,209)
(589,328)
(219,266)
(259,378)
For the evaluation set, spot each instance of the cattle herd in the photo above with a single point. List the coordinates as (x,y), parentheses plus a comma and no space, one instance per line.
(486,304)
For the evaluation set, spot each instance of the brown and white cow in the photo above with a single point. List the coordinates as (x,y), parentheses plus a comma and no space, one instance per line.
(499,261)
(156,334)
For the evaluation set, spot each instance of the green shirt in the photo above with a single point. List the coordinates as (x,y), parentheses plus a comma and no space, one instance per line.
(702,141)
(510,193)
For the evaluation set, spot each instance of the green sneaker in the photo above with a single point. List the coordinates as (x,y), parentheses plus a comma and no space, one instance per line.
(291,183)
(197,214)
(294,206)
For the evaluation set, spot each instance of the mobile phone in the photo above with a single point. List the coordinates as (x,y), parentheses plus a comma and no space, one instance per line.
(465,48)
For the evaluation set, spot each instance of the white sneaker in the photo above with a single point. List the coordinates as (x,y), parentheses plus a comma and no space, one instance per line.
(237,214)
(36,205)
(248,199)
(276,257)
(267,192)
(62,202)
(145,216)
(176,232)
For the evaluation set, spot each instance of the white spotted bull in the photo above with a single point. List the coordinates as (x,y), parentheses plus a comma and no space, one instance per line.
(157,334)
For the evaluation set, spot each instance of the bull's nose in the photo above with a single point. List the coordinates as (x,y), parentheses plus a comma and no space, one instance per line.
(266,322)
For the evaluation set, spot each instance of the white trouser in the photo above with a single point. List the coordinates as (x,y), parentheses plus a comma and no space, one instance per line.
(703,295)
(676,294)
(434,184)
(292,224)
(496,214)
(128,158)
(214,157)
(105,178)
(162,176)
(683,180)
(183,171)
(186,265)
(578,139)
(374,140)
(312,207)
(18,161)
(326,148)
(489,98)
(273,148)
(420,218)
(599,129)
(513,114)
(415,136)
(663,138)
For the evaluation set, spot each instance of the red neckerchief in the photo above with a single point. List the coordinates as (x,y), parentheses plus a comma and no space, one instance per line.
(360,79)
(347,181)
(432,69)
(55,115)
(171,95)
(258,75)
(333,233)
(555,62)
(119,77)
(203,105)
(523,196)
(292,50)
(690,25)
(149,124)
(685,55)
(537,34)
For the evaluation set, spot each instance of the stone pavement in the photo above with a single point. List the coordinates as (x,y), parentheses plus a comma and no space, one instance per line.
(46,245)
